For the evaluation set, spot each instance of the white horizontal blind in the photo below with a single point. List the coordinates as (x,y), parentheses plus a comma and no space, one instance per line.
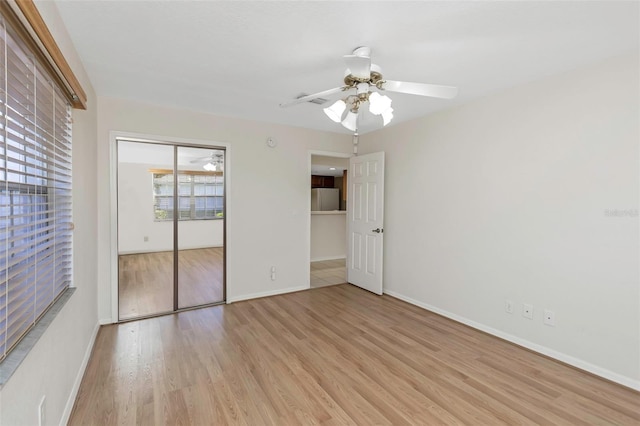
(35,192)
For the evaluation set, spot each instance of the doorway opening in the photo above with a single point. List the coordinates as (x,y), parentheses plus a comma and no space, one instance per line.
(328,234)
(171,227)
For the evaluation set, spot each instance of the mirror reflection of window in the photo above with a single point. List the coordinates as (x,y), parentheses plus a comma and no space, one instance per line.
(200,196)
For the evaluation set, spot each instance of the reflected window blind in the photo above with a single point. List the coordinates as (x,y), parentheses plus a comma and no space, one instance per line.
(35,192)
(200,195)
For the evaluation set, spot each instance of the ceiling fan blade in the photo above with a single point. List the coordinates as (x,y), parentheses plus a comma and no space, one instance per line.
(359,66)
(422,89)
(314,96)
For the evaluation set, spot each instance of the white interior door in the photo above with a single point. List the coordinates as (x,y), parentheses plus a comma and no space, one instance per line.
(365,201)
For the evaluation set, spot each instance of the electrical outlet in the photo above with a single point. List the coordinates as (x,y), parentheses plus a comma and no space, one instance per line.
(527,311)
(508,306)
(41,412)
(273,273)
(549,318)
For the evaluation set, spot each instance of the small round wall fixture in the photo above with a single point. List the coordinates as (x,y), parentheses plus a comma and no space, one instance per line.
(271,143)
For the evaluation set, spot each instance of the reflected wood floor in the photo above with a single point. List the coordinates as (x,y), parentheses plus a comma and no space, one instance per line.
(146,281)
(328,272)
(334,356)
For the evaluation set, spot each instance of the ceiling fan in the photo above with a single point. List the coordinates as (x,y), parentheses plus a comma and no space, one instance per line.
(363,76)
(212,163)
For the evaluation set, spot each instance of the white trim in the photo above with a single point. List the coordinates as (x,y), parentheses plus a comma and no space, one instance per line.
(168,140)
(106,321)
(567,359)
(76,384)
(322,259)
(113,223)
(266,293)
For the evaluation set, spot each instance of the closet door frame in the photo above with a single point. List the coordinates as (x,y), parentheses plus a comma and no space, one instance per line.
(112,282)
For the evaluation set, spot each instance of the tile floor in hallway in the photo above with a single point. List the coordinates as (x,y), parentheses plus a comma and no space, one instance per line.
(328,272)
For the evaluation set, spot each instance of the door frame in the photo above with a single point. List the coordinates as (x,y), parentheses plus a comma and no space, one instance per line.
(310,154)
(113,198)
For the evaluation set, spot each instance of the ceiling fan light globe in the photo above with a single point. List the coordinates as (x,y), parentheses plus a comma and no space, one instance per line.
(378,103)
(387,116)
(374,105)
(335,111)
(351,121)
(210,167)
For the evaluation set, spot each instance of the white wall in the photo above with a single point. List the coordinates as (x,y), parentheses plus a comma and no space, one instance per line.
(267,193)
(55,365)
(323,160)
(507,198)
(328,236)
(136,218)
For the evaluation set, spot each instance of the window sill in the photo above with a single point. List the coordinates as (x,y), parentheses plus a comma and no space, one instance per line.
(10,364)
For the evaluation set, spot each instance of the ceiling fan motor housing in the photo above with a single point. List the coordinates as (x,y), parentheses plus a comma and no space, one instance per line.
(374,78)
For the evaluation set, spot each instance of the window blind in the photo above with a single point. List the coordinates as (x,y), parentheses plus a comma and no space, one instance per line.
(35,192)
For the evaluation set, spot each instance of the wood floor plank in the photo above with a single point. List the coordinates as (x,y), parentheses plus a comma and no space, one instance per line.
(334,355)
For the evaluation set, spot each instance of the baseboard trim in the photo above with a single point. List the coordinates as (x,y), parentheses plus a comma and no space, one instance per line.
(76,384)
(106,321)
(266,294)
(560,356)
(322,259)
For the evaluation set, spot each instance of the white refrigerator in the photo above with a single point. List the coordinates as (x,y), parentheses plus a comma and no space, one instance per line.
(325,199)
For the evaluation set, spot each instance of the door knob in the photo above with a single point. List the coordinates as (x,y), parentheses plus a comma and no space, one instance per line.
(377,230)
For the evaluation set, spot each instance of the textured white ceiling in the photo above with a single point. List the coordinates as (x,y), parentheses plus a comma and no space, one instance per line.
(243,58)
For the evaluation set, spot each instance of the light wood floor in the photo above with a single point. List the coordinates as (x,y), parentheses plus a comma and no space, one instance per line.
(328,272)
(334,356)
(146,281)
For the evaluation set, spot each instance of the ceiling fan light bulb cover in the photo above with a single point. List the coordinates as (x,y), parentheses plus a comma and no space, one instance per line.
(378,103)
(373,103)
(351,121)
(387,116)
(210,167)
(335,111)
